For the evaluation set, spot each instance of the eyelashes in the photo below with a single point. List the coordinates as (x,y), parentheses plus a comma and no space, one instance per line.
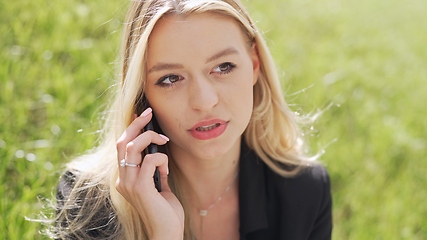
(170,79)
(225,68)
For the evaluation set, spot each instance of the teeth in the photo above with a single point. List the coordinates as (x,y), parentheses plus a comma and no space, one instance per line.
(207,128)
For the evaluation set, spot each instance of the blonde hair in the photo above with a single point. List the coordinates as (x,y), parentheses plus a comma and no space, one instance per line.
(273,132)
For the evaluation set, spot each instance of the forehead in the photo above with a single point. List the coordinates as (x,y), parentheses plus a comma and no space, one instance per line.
(197,32)
(195,20)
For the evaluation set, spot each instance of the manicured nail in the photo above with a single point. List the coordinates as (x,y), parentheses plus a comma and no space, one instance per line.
(146,112)
(164,137)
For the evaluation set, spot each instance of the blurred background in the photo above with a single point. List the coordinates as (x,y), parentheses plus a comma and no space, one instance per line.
(362,63)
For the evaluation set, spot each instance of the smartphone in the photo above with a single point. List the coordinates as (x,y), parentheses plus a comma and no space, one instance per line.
(152,148)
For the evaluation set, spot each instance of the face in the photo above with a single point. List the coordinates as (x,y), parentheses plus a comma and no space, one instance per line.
(200,76)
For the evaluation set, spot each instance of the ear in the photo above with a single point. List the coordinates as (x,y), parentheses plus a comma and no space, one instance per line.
(255,62)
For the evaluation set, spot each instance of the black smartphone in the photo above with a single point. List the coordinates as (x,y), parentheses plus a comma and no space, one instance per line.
(152,148)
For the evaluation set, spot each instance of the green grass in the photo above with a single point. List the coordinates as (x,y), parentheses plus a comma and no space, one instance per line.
(366,58)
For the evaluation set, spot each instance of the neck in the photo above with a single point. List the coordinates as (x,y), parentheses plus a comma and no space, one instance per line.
(207,179)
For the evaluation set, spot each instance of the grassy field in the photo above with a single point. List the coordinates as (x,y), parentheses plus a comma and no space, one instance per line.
(366,60)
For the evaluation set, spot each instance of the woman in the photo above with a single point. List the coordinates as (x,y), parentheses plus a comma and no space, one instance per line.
(232,164)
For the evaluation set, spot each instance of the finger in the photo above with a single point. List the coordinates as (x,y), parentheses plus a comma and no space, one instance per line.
(132,131)
(128,174)
(164,179)
(140,143)
(133,154)
(148,166)
(164,173)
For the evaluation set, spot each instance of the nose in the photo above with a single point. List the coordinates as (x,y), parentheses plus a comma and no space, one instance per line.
(203,94)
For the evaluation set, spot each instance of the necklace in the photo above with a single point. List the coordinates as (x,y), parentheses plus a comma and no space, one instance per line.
(204,212)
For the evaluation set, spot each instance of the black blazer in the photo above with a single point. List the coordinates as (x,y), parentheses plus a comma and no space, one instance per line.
(274,207)
(271,207)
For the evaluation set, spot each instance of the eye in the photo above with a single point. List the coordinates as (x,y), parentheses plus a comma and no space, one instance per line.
(224,68)
(169,80)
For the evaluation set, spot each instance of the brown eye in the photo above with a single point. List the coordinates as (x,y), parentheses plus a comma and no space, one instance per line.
(224,68)
(169,80)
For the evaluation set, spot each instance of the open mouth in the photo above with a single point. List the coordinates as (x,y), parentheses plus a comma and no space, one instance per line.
(207,128)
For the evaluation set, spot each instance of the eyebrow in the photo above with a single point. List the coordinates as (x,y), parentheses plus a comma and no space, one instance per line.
(225,52)
(168,66)
(165,66)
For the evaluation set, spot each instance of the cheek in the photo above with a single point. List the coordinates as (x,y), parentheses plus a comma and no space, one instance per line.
(241,96)
(248,94)
(169,109)
(247,100)
(162,114)
(247,84)
(166,115)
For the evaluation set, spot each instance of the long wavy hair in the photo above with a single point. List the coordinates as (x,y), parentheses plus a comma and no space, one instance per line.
(272,132)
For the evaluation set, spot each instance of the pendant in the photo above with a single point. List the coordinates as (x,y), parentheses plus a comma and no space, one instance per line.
(203,213)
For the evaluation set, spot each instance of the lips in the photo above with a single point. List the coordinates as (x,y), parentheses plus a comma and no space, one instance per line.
(208,129)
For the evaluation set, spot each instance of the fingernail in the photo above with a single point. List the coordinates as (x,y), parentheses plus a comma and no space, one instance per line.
(164,137)
(146,112)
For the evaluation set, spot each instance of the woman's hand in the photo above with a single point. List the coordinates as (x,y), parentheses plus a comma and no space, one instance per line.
(162,213)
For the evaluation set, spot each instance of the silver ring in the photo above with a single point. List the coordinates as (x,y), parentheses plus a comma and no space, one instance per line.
(123,164)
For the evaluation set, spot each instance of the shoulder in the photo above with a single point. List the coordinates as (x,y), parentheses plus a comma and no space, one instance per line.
(65,185)
(309,180)
(310,186)
(312,177)
(77,190)
(303,202)
(297,207)
(84,211)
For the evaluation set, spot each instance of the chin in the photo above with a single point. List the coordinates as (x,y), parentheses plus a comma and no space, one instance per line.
(213,151)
